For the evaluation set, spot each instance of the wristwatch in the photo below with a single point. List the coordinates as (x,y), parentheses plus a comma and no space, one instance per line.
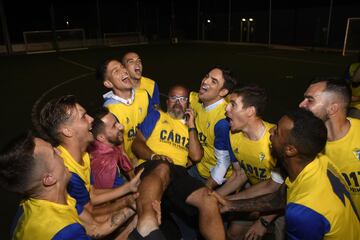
(264,222)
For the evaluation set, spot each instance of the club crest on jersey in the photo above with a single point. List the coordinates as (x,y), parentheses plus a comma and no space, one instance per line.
(127,120)
(208,125)
(356,152)
(261,156)
(236,150)
(165,122)
(140,109)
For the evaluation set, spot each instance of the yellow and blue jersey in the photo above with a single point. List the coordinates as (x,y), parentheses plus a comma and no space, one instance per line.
(345,154)
(152,88)
(130,115)
(213,133)
(80,182)
(254,156)
(166,136)
(42,219)
(319,205)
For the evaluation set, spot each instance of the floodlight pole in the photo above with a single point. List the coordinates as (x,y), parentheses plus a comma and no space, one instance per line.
(98,32)
(138,16)
(270,17)
(198,20)
(5,29)
(229,21)
(53,28)
(329,23)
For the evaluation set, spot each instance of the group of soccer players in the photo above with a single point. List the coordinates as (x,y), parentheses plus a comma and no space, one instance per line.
(134,171)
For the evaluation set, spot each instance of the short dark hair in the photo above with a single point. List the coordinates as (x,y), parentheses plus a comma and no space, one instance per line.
(253,95)
(54,113)
(337,86)
(98,125)
(17,163)
(102,67)
(309,133)
(123,56)
(176,86)
(229,79)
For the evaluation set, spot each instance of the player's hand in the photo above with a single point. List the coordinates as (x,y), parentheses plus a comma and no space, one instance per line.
(190,120)
(256,231)
(224,204)
(162,157)
(157,208)
(135,182)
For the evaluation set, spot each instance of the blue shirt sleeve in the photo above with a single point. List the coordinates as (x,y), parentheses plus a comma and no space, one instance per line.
(222,140)
(148,125)
(72,231)
(232,155)
(304,223)
(155,100)
(77,189)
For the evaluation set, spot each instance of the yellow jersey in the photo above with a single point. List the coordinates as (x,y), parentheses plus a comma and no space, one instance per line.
(152,88)
(166,136)
(254,156)
(130,114)
(80,182)
(319,205)
(213,132)
(42,219)
(345,154)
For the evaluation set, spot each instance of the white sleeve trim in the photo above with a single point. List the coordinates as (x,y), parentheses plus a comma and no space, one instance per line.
(222,164)
(276,177)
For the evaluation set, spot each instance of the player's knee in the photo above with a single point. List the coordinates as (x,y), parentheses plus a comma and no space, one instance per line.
(163,171)
(203,200)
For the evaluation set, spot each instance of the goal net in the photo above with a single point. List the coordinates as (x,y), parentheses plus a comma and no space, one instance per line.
(121,39)
(46,41)
(352,37)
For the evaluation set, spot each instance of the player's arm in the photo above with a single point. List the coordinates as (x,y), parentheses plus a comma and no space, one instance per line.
(266,203)
(196,151)
(96,229)
(139,146)
(222,154)
(99,196)
(236,180)
(264,187)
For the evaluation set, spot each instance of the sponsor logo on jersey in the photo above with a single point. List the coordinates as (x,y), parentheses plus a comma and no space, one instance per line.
(261,156)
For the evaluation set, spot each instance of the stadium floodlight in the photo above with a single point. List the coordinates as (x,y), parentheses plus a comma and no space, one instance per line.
(244,19)
(208,20)
(352,37)
(250,19)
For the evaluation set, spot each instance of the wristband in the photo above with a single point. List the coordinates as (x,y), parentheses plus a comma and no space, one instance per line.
(264,222)
(192,129)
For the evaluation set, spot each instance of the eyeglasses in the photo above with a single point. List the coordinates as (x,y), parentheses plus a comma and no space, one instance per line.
(181,99)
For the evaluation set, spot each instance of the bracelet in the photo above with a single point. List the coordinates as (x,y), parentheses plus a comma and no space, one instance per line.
(264,222)
(192,129)
(152,156)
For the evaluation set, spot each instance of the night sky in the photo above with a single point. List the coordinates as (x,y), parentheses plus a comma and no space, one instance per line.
(296,18)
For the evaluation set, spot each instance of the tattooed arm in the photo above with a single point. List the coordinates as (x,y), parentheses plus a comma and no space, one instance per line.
(97,229)
(266,203)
